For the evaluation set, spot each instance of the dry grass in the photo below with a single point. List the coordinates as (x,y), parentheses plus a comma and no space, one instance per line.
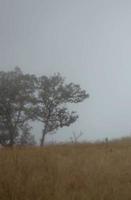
(67,172)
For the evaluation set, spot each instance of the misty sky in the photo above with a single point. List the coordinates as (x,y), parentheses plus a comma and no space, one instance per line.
(88,42)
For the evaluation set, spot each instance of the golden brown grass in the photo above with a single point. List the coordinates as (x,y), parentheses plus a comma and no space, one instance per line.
(67,172)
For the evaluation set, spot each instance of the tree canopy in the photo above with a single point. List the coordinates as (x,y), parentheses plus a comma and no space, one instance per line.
(53,96)
(16,99)
(25,97)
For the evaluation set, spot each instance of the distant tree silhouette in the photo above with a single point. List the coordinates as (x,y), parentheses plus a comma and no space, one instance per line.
(16,100)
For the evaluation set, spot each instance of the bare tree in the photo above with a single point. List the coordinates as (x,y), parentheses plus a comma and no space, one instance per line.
(75,137)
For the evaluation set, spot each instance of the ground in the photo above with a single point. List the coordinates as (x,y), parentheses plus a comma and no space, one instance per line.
(67,172)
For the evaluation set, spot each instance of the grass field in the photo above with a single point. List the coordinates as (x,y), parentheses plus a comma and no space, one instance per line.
(67,172)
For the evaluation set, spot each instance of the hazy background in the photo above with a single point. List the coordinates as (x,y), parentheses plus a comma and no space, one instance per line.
(88,42)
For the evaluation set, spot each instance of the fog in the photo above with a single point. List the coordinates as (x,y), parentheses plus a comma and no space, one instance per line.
(88,42)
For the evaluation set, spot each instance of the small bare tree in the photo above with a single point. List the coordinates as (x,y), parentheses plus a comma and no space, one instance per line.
(75,137)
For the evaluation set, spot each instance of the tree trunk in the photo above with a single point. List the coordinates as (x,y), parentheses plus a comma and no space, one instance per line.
(43,137)
(11,143)
(12,133)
